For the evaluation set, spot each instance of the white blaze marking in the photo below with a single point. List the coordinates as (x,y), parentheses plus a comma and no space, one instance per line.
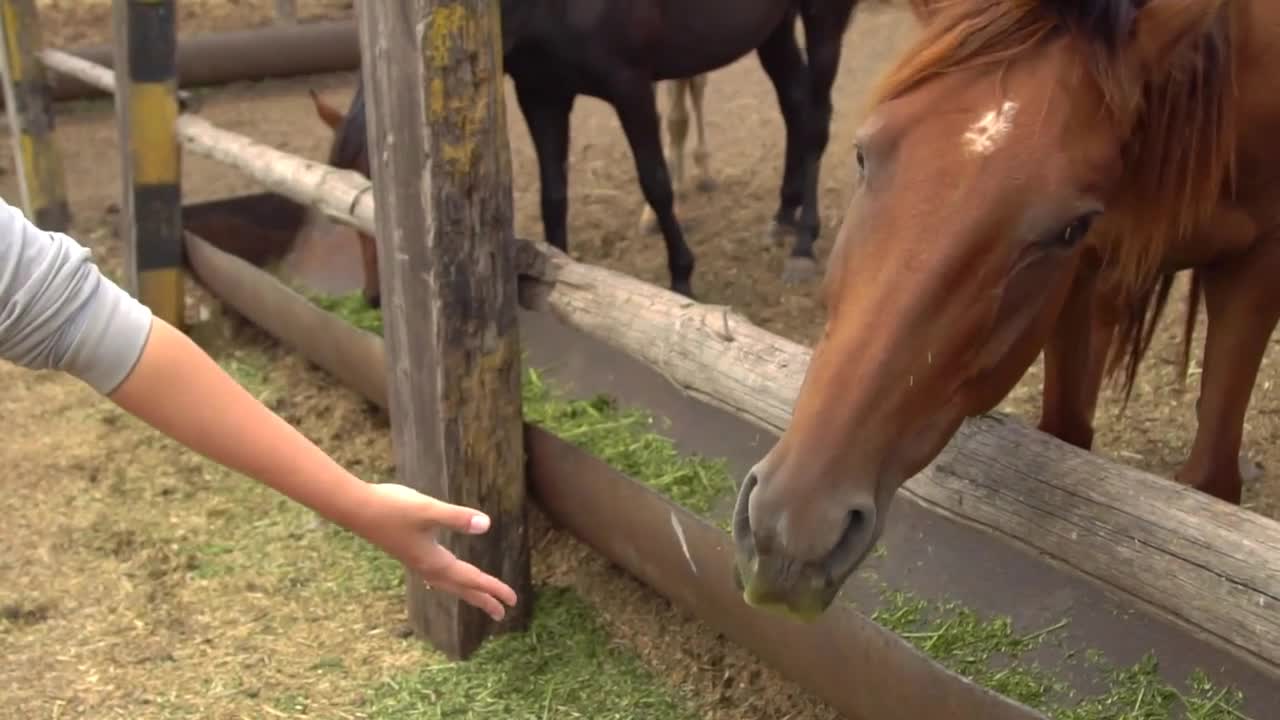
(989,131)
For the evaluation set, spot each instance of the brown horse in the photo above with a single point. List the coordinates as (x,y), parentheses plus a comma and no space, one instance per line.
(1029,177)
(677,132)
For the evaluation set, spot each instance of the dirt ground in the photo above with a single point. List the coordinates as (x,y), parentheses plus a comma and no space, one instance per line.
(115,581)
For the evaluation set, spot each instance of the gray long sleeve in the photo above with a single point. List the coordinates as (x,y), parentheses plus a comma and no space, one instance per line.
(59,312)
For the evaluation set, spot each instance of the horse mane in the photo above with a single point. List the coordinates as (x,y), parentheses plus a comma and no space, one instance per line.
(350,139)
(1179,158)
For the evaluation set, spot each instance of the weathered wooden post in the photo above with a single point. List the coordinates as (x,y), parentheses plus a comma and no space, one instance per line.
(29,104)
(442,177)
(146,62)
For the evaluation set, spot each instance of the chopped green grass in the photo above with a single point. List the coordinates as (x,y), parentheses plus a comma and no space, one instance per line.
(625,438)
(565,666)
(351,307)
(987,651)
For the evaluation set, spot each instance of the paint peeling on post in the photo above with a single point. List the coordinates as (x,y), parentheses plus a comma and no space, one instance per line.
(463,92)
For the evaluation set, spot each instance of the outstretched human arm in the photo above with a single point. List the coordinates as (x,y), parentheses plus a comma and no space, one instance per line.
(57,311)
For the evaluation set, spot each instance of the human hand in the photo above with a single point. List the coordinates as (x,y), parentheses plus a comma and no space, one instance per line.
(405,523)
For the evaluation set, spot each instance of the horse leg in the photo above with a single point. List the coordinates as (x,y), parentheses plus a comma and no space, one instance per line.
(780,57)
(701,154)
(824,27)
(1075,359)
(633,100)
(547,115)
(677,132)
(1243,309)
(372,286)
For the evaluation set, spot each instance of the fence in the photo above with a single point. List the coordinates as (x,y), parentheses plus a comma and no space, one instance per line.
(1208,565)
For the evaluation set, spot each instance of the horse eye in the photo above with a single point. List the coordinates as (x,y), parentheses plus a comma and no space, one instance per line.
(1075,232)
(862,161)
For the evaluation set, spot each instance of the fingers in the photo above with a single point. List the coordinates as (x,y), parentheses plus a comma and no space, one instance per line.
(471,584)
(457,517)
(434,511)
(487,604)
(465,575)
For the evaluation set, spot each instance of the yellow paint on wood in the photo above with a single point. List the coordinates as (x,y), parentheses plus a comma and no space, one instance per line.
(39,160)
(467,111)
(30,160)
(489,376)
(153,116)
(13,39)
(42,165)
(162,291)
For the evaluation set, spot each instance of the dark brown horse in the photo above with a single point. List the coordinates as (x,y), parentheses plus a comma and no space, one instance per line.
(616,50)
(1031,174)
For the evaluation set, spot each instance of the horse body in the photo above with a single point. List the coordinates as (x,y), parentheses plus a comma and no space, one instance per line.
(615,50)
(669,39)
(1031,175)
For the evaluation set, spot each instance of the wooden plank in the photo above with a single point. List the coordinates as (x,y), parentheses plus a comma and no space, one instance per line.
(442,179)
(91,73)
(147,110)
(28,104)
(1213,566)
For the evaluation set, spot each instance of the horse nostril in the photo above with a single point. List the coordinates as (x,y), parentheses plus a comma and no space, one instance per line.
(854,521)
(855,542)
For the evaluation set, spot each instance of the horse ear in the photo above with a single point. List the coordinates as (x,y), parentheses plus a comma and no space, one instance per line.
(1111,21)
(327,112)
(1163,27)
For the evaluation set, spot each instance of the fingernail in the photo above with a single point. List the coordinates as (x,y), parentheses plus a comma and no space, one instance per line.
(479,523)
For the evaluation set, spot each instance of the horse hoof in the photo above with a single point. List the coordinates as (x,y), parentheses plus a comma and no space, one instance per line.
(707,184)
(799,270)
(684,289)
(778,234)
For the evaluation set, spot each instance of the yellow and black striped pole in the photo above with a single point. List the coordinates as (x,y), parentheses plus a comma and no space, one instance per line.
(147,108)
(29,104)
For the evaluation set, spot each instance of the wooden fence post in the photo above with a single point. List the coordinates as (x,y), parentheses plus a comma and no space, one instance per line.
(146,62)
(29,104)
(441,170)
